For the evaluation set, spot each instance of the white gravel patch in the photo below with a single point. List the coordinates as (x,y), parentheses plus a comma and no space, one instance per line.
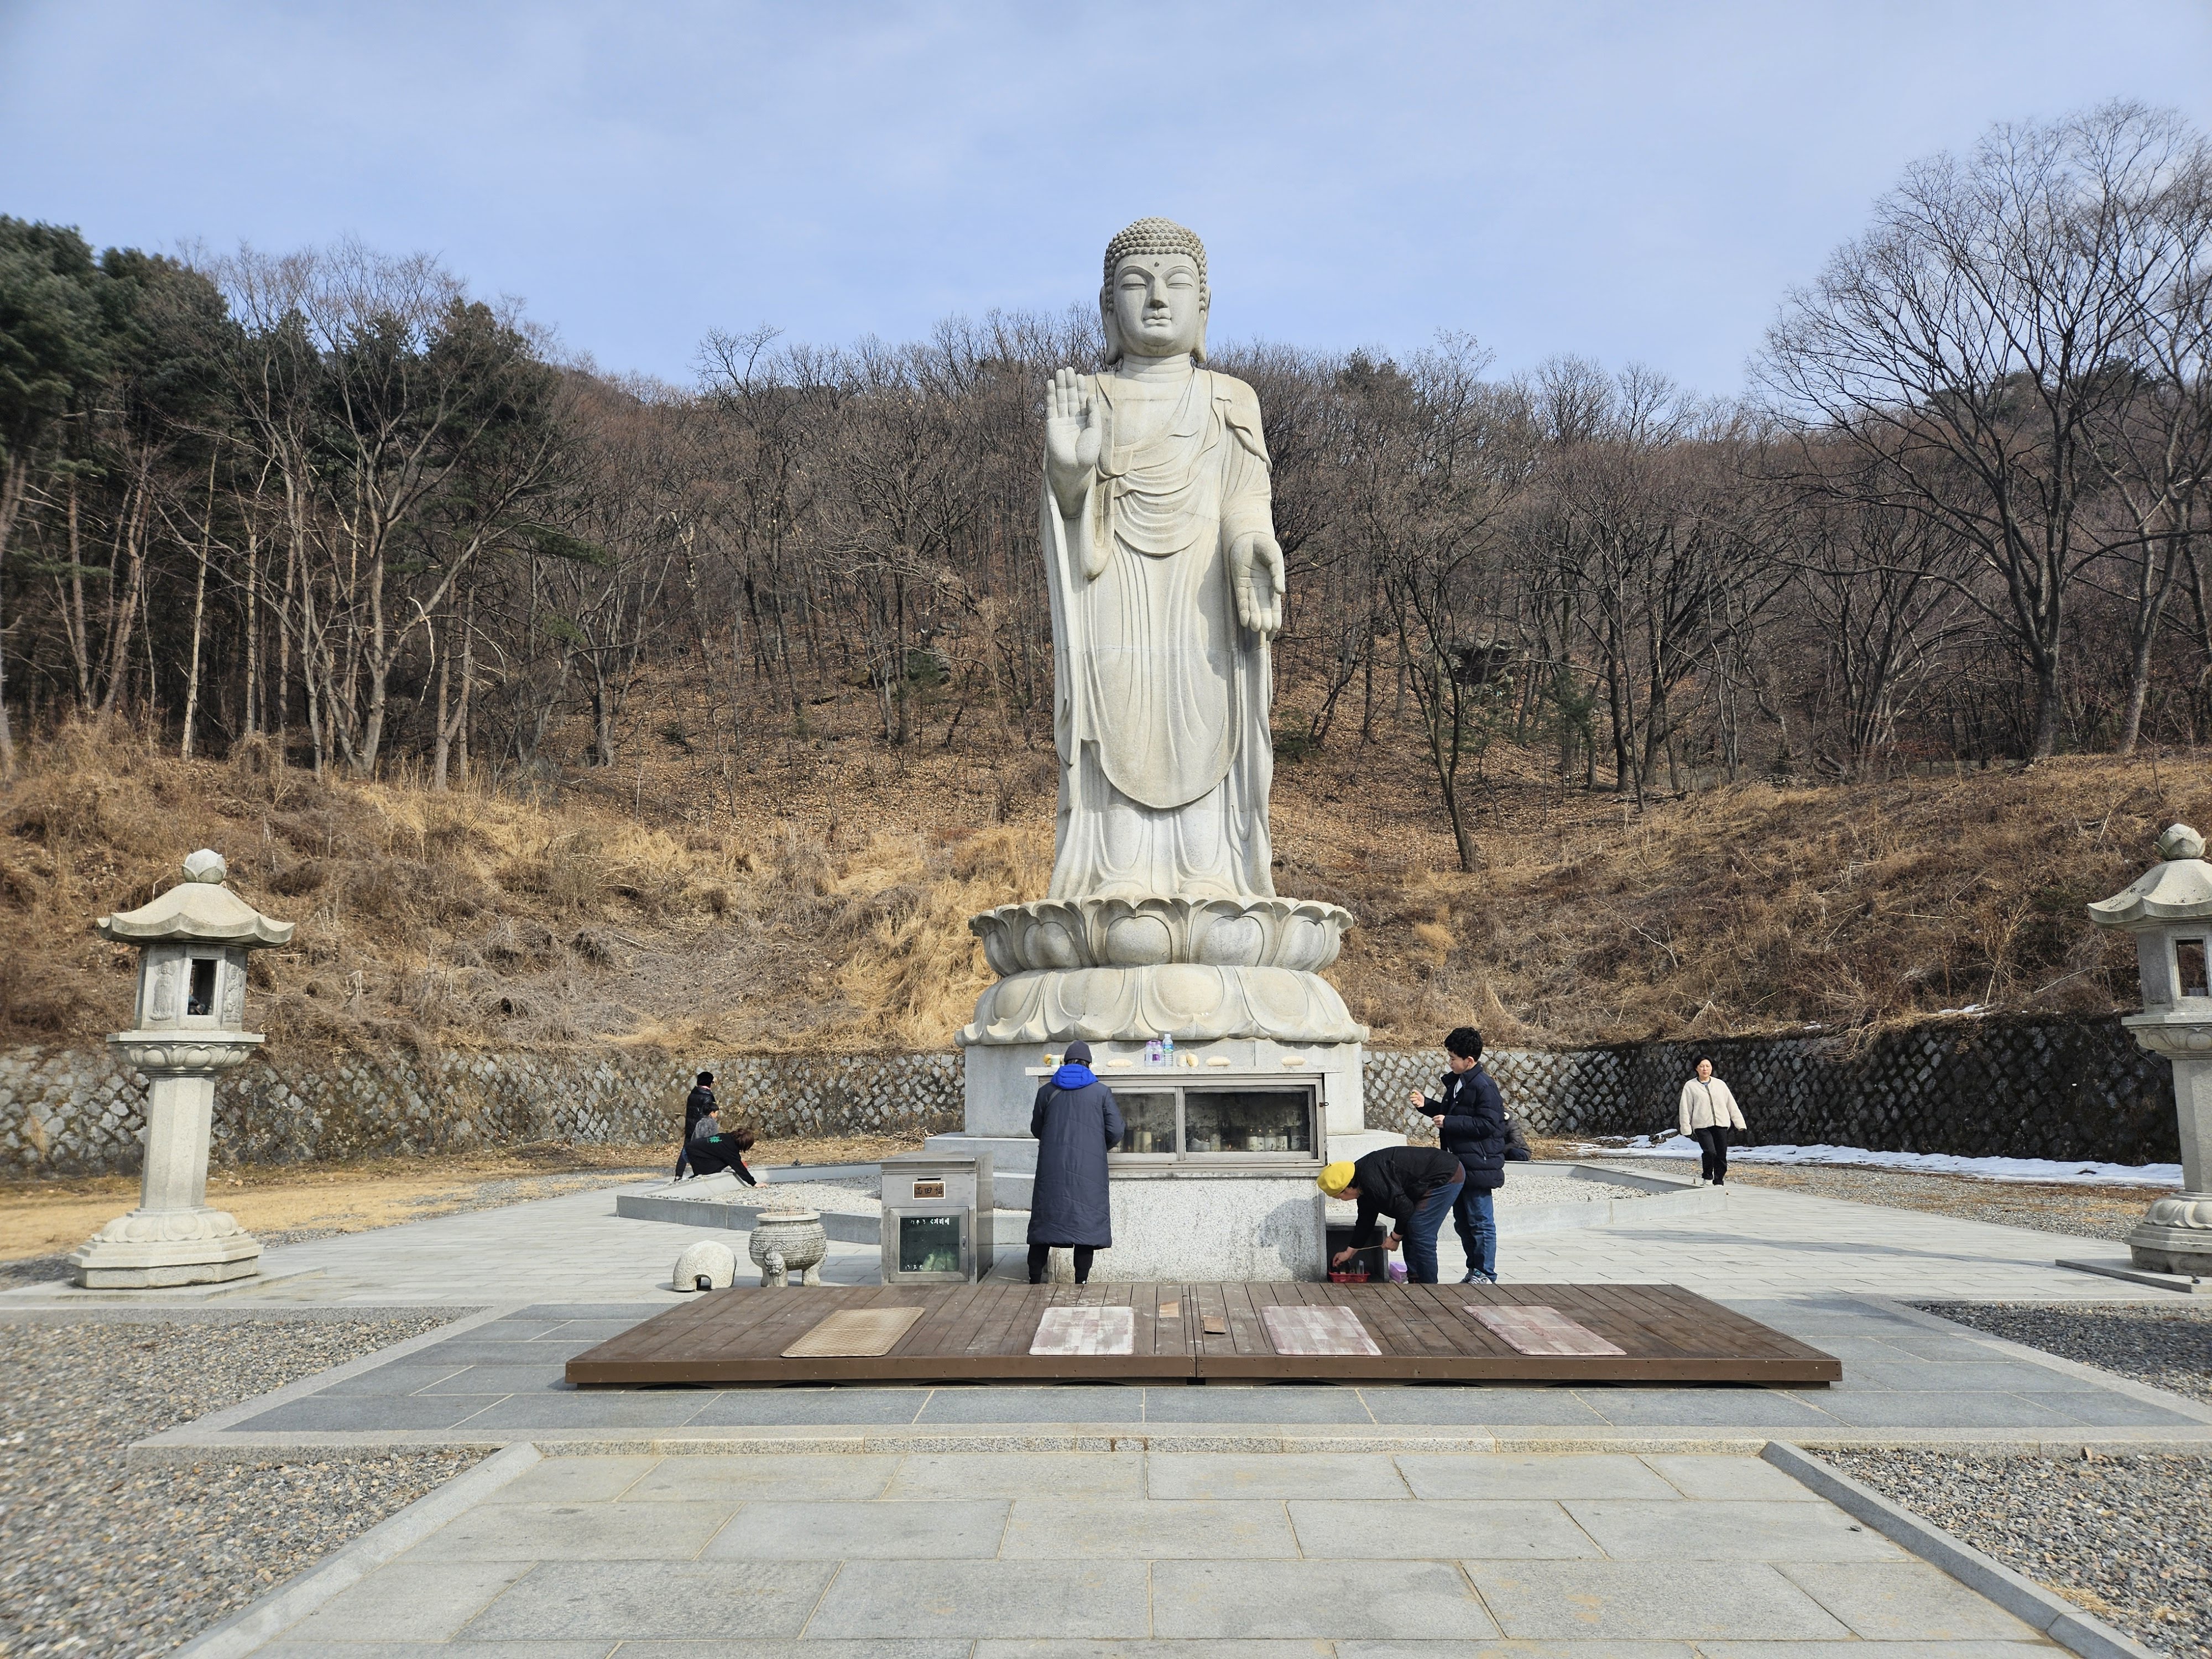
(1532,1186)
(100,1559)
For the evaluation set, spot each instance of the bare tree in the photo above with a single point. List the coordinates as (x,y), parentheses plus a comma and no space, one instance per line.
(1974,341)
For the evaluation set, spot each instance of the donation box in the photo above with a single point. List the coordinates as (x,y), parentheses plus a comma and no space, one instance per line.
(936,1219)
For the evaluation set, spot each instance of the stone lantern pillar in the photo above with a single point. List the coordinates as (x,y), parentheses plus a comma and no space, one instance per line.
(2169,910)
(190,1028)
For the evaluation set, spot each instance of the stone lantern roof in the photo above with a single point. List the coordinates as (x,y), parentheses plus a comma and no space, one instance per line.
(2178,888)
(198,910)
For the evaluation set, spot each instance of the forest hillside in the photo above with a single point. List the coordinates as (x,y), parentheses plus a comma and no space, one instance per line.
(814,893)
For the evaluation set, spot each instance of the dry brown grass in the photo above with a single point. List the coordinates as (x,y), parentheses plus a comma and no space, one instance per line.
(815,895)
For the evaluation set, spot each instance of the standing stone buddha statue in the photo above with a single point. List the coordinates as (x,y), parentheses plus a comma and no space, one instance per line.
(1167,583)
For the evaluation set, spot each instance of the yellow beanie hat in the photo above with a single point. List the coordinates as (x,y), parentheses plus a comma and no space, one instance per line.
(1335,1177)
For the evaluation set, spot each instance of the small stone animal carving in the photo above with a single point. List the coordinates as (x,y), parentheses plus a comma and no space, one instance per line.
(706,1266)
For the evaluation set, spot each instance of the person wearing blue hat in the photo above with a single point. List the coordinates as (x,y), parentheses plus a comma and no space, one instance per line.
(1076,1123)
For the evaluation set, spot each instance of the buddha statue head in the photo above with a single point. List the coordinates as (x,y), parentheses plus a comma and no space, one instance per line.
(1154,300)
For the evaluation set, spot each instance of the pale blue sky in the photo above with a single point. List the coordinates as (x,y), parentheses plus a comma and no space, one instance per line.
(1627,181)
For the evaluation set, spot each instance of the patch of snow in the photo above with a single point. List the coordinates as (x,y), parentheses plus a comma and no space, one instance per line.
(2051,1171)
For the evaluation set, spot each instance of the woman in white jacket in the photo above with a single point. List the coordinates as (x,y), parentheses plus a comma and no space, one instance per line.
(1708,1111)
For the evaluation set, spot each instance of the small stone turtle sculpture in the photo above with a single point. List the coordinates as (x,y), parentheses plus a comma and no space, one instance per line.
(706,1266)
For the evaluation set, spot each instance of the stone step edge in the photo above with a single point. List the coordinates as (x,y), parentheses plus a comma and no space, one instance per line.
(174,1450)
(2048,1612)
(261,1622)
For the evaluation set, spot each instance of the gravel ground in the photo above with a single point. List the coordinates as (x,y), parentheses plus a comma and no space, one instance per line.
(102,1558)
(2167,1345)
(2082,1212)
(1527,1186)
(2129,1537)
(836,1197)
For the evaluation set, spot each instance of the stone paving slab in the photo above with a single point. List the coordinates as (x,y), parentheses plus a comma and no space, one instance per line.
(1767,1244)
(1137,1556)
(497,1382)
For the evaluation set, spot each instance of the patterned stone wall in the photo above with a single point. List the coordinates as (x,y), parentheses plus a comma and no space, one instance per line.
(2019,1088)
(69,1112)
(1979,1088)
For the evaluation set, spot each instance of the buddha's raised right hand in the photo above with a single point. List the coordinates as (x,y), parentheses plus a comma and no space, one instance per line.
(1071,435)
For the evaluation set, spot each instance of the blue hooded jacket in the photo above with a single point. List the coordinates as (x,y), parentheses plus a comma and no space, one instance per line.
(1076,1123)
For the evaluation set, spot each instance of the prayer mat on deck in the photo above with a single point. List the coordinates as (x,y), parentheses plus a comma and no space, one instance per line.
(855,1333)
(1533,1328)
(1086,1330)
(1324,1330)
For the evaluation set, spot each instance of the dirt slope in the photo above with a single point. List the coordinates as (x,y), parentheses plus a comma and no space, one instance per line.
(812,892)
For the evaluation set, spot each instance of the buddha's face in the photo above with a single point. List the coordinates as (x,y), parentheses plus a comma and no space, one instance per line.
(1157,304)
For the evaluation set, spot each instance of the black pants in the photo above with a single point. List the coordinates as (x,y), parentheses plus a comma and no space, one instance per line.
(1040,1253)
(1712,1153)
(709,1158)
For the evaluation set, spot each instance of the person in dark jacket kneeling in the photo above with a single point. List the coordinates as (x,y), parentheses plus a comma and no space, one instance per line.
(1415,1186)
(1470,1119)
(712,1150)
(1075,1122)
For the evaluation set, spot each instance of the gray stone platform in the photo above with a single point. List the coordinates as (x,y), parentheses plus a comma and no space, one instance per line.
(1074,1523)
(1150,1556)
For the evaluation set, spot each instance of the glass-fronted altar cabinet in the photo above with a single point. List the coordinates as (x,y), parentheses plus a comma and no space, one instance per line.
(1214,1178)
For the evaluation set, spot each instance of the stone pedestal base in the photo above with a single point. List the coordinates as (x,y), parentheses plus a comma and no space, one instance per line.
(1246,1225)
(2175,1236)
(153,1249)
(173,1237)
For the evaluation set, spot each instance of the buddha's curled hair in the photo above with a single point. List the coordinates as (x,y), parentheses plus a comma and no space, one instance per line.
(1158,236)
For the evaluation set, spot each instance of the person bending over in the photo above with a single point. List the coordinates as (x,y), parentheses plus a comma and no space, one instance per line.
(711,1148)
(1415,1186)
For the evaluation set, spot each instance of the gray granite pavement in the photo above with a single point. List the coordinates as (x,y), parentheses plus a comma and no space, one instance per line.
(1155,1556)
(1907,1377)
(1243,1522)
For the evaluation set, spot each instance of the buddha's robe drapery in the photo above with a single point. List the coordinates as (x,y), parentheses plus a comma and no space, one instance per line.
(1160,694)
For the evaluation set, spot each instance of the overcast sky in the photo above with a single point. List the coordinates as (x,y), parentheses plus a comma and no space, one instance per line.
(1626,181)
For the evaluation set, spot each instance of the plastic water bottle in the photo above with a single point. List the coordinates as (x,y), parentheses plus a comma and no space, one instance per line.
(1167,1050)
(1153,1052)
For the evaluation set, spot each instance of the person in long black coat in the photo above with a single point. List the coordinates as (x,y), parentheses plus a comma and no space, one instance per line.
(1076,1123)
(697,1104)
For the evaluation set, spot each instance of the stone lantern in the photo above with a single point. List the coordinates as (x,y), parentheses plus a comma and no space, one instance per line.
(190,1027)
(2169,910)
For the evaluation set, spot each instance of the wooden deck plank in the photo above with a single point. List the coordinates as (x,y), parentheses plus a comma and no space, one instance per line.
(984,1332)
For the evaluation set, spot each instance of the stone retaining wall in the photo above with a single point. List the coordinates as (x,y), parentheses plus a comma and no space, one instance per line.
(1979,1088)
(2019,1088)
(69,1112)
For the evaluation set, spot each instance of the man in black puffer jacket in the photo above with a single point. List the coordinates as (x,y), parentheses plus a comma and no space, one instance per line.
(699,1103)
(1470,1119)
(1415,1186)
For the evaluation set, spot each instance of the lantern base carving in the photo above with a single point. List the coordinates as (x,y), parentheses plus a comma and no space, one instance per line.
(153,1249)
(2175,1236)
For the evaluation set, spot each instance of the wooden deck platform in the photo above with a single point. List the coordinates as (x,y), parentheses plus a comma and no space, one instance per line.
(1198,1332)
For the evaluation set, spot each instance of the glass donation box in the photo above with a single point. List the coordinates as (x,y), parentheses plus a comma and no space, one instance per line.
(1215,1121)
(936,1219)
